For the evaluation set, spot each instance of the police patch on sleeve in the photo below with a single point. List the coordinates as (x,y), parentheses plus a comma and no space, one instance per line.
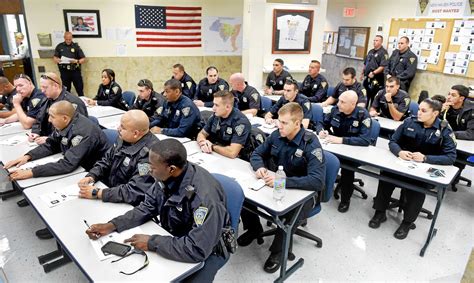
(143,168)
(318,153)
(189,84)
(115,89)
(185,111)
(76,140)
(407,101)
(453,137)
(200,215)
(367,122)
(323,84)
(74,105)
(307,105)
(364,92)
(35,101)
(159,110)
(412,60)
(239,129)
(221,87)
(255,96)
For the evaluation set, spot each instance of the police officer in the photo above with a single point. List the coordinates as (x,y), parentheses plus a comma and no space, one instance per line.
(315,86)
(402,64)
(349,82)
(301,155)
(347,124)
(391,102)
(419,139)
(276,78)
(27,101)
(195,221)
(70,71)
(53,89)
(374,64)
(124,168)
(208,86)
(7,91)
(291,95)
(227,131)
(248,98)
(109,92)
(188,85)
(458,110)
(178,117)
(148,100)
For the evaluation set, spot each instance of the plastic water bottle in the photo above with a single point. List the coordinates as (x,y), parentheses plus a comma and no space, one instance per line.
(279,184)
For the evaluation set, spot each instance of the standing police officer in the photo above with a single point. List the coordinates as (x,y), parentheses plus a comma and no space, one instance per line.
(402,64)
(374,64)
(227,131)
(276,78)
(208,86)
(191,205)
(347,124)
(301,155)
(315,86)
(124,168)
(188,85)
(148,100)
(70,71)
(179,116)
(391,102)
(248,98)
(349,82)
(420,139)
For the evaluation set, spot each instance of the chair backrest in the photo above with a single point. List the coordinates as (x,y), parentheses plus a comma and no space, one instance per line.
(331,91)
(423,95)
(317,113)
(235,198)
(129,97)
(111,135)
(94,120)
(332,169)
(374,132)
(266,103)
(413,108)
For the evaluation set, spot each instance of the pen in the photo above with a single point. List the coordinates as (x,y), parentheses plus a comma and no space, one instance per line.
(89,227)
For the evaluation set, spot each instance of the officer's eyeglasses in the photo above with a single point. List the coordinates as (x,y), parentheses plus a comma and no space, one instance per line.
(46,77)
(134,251)
(22,76)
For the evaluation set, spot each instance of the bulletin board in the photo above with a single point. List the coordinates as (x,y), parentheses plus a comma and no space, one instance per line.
(437,43)
(353,42)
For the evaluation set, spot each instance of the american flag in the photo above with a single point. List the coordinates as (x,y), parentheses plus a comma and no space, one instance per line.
(168,26)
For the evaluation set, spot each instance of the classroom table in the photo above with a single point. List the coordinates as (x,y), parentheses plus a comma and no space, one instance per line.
(388,124)
(103,111)
(66,222)
(12,128)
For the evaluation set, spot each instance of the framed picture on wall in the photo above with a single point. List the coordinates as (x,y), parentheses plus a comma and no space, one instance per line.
(292,31)
(83,23)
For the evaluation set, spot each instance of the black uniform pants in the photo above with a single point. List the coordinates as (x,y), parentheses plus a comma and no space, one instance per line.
(207,273)
(372,89)
(74,76)
(413,200)
(346,184)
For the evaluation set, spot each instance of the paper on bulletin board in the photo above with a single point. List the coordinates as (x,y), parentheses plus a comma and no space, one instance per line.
(359,39)
(450,55)
(347,43)
(392,39)
(421,66)
(353,51)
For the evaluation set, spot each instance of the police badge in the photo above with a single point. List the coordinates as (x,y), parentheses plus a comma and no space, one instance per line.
(355,123)
(239,129)
(229,131)
(159,110)
(76,140)
(244,99)
(299,152)
(64,141)
(200,215)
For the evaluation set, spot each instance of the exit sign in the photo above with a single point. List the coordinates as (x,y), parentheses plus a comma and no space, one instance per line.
(349,12)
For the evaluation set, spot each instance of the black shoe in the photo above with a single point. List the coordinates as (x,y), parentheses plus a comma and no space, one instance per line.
(402,231)
(44,234)
(343,207)
(22,203)
(378,219)
(247,238)
(273,263)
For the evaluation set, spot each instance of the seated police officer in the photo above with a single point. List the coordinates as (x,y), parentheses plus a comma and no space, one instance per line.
(27,102)
(349,82)
(188,85)
(301,155)
(391,102)
(208,86)
(248,98)
(346,124)
(7,91)
(276,78)
(315,86)
(227,131)
(124,168)
(109,92)
(290,94)
(191,205)
(458,110)
(420,139)
(178,117)
(52,87)
(148,100)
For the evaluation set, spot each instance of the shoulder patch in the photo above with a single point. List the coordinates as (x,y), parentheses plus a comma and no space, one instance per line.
(407,101)
(364,92)
(307,105)
(159,110)
(255,96)
(76,140)
(185,111)
(115,89)
(35,101)
(221,87)
(239,129)
(189,84)
(143,168)
(367,122)
(323,84)
(318,153)
(412,60)
(74,105)
(453,137)
(200,215)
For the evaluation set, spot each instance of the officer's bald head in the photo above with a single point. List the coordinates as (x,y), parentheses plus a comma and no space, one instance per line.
(237,81)
(68,37)
(347,102)
(137,119)
(63,107)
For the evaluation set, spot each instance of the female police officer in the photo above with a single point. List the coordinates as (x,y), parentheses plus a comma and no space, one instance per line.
(109,92)
(422,139)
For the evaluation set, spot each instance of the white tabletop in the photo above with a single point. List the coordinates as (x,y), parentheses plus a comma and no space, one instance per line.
(67,223)
(103,111)
(273,97)
(12,128)
(202,108)
(465,146)
(14,146)
(110,122)
(262,125)
(388,124)
(244,174)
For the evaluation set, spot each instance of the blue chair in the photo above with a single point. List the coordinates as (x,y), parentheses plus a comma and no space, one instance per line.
(331,91)
(332,169)
(235,198)
(413,108)
(94,120)
(112,136)
(128,97)
(266,103)
(317,113)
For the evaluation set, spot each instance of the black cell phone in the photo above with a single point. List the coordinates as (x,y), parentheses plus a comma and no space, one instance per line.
(115,248)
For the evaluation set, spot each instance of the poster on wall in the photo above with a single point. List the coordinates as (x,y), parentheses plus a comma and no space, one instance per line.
(292,31)
(222,35)
(442,8)
(83,23)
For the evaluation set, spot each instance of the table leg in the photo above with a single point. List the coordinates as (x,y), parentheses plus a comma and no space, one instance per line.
(433,230)
(60,258)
